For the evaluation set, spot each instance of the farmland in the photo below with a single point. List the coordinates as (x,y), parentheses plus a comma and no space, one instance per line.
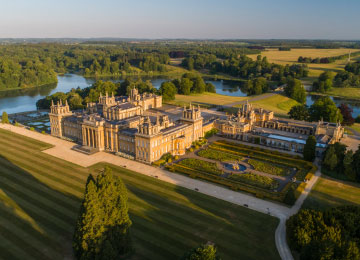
(289,57)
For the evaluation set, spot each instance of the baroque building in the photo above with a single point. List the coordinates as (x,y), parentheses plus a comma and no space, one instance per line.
(125,126)
(122,125)
(260,126)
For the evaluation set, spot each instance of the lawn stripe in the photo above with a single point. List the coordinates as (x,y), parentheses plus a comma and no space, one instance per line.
(10,250)
(30,241)
(40,201)
(26,180)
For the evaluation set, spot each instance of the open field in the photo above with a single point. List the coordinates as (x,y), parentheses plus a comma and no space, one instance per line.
(355,127)
(277,103)
(329,192)
(40,197)
(289,57)
(352,93)
(206,99)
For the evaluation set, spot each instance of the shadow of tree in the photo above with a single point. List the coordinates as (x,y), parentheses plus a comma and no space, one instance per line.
(36,220)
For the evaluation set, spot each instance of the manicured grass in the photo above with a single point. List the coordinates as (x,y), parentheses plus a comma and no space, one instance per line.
(270,168)
(219,156)
(352,93)
(290,57)
(40,197)
(206,99)
(201,165)
(256,180)
(279,104)
(329,192)
(356,127)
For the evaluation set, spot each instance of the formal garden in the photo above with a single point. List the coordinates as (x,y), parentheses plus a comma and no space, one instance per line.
(265,173)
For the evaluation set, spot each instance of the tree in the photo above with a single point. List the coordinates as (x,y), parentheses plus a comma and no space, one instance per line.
(330,160)
(356,163)
(185,86)
(203,252)
(209,87)
(299,112)
(295,90)
(309,149)
(324,82)
(5,118)
(102,229)
(199,85)
(348,165)
(324,108)
(168,91)
(346,113)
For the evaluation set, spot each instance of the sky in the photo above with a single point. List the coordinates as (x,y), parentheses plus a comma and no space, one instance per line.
(196,19)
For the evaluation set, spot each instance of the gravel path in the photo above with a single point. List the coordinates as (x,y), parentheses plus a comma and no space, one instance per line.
(63,149)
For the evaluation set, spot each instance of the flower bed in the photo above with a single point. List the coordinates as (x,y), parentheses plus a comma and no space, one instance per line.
(271,168)
(200,165)
(256,180)
(219,156)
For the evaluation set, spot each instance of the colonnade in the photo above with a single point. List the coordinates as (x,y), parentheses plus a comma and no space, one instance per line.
(90,137)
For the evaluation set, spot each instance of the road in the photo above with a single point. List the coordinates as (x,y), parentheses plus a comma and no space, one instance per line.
(63,149)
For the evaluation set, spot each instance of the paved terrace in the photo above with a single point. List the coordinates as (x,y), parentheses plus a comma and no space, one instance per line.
(63,149)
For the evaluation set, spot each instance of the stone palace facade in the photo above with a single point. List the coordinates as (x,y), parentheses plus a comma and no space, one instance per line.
(260,126)
(122,125)
(126,126)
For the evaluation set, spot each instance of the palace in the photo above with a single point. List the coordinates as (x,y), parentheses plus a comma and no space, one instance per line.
(122,125)
(129,127)
(261,127)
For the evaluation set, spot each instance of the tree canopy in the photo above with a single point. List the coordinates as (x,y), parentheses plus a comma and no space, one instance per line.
(325,235)
(203,252)
(309,149)
(4,118)
(295,90)
(324,108)
(102,229)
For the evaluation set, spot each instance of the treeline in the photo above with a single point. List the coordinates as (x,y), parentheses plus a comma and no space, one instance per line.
(342,163)
(188,84)
(78,98)
(322,109)
(318,60)
(328,234)
(258,72)
(349,78)
(24,72)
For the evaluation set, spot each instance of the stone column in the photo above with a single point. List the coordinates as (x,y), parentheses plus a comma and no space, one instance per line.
(88,137)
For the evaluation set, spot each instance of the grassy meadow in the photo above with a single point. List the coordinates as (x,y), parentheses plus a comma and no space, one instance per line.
(289,57)
(329,192)
(40,197)
(205,99)
(351,93)
(280,104)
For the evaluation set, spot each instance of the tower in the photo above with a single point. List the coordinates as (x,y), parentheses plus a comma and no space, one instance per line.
(56,115)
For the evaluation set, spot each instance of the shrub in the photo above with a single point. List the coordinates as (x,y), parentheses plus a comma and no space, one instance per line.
(176,157)
(217,155)
(270,168)
(32,129)
(210,133)
(17,124)
(191,149)
(256,180)
(43,132)
(159,162)
(169,160)
(197,147)
(201,165)
(5,118)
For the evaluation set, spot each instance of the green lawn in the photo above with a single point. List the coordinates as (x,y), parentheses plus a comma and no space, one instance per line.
(279,104)
(352,93)
(40,197)
(329,192)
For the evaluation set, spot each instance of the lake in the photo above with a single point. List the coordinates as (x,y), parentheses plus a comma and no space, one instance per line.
(15,101)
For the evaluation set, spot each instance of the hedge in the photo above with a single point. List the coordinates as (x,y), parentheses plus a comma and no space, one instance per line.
(256,180)
(201,165)
(271,168)
(219,156)
(234,185)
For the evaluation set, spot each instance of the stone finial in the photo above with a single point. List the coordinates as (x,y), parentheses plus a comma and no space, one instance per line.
(60,102)
(52,102)
(66,103)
